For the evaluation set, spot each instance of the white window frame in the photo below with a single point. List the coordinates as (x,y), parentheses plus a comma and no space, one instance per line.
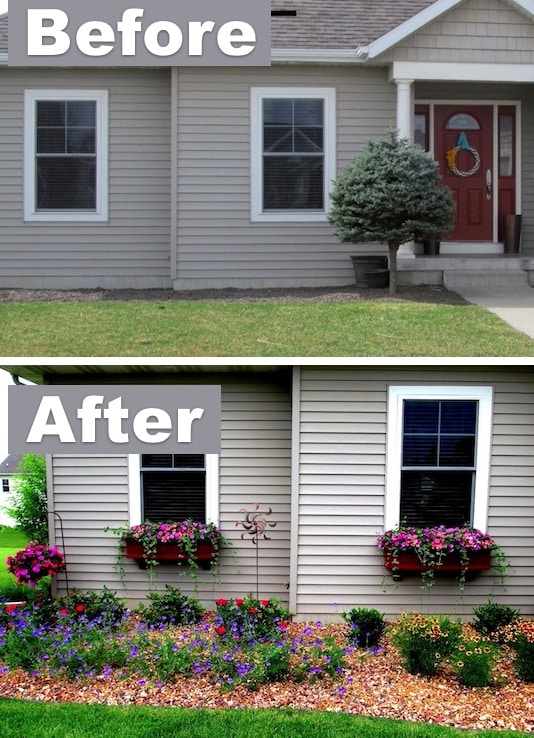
(135,491)
(258,94)
(31,213)
(396,397)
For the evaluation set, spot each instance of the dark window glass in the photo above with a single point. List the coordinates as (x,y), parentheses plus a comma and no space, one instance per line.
(293,154)
(66,155)
(431,498)
(173,487)
(438,461)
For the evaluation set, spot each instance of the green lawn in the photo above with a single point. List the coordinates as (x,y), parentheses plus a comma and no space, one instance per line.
(40,720)
(158,329)
(11,541)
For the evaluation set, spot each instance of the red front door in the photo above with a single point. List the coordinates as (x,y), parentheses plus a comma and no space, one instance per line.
(464,151)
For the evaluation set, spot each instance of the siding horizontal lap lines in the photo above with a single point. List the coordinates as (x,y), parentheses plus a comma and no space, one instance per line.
(217,243)
(99,254)
(477,31)
(341,486)
(92,493)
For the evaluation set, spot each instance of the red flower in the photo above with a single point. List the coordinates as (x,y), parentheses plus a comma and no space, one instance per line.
(282,625)
(79,608)
(63,612)
(239,601)
(221,602)
(221,630)
(10,608)
(252,610)
(265,603)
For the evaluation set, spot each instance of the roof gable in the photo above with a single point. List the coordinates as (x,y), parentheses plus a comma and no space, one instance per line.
(10,465)
(428,15)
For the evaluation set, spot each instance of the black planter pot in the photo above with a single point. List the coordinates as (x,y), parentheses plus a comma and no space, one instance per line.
(431,247)
(365,267)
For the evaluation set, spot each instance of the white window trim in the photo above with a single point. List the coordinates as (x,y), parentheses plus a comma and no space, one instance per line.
(30,135)
(396,397)
(258,94)
(212,488)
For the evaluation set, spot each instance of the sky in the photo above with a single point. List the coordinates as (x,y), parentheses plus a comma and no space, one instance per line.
(3,6)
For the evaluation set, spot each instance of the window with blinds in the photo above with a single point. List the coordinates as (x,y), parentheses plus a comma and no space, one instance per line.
(65,154)
(438,469)
(173,487)
(293,154)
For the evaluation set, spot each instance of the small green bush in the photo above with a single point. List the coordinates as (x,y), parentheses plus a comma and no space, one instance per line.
(473,661)
(491,619)
(520,636)
(170,608)
(104,608)
(425,641)
(248,619)
(366,626)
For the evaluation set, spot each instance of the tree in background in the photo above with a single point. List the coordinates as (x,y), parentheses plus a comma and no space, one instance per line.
(29,500)
(391,193)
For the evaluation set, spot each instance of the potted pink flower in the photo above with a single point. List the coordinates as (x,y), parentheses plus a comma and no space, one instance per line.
(186,541)
(35,562)
(461,549)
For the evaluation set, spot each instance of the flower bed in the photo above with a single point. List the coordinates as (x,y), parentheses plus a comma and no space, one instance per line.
(372,684)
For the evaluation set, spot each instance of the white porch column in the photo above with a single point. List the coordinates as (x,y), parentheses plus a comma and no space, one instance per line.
(405,108)
(405,112)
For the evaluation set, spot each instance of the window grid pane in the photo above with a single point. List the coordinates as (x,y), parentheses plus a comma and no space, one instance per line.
(438,462)
(173,487)
(66,155)
(293,154)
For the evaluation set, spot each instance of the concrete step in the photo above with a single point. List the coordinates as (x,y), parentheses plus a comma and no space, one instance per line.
(458,280)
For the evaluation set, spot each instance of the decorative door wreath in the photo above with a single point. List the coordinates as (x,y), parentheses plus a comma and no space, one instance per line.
(463,145)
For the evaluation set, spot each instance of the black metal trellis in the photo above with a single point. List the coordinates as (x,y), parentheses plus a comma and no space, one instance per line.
(58,516)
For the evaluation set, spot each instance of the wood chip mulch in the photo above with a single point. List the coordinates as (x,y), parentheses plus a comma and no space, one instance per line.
(373,685)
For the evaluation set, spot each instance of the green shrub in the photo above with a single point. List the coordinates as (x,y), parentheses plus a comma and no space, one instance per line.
(473,660)
(104,607)
(491,619)
(28,504)
(520,635)
(425,641)
(366,626)
(248,619)
(170,608)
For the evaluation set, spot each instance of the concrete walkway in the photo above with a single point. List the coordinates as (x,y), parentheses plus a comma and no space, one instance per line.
(514,305)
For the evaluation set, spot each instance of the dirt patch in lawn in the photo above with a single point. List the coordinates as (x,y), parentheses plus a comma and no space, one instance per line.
(348,293)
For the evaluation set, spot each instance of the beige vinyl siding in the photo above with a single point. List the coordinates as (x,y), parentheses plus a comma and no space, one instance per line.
(91,492)
(132,248)
(477,31)
(217,245)
(342,456)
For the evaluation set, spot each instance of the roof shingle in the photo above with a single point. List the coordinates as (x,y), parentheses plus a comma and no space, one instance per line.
(323,24)
(338,24)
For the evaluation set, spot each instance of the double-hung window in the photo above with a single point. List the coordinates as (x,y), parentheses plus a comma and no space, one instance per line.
(165,487)
(293,153)
(66,155)
(438,456)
